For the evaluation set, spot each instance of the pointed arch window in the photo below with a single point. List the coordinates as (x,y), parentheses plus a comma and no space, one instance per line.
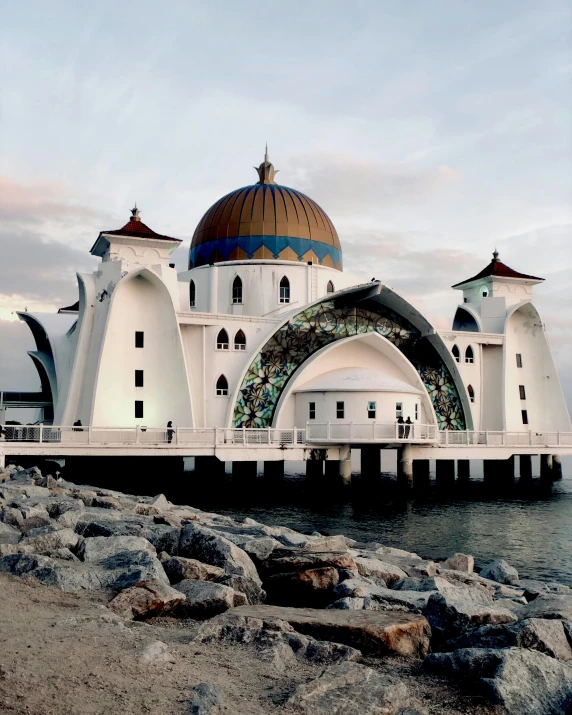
(471,393)
(469,355)
(240,341)
(284,290)
(237,290)
(330,287)
(192,294)
(222,340)
(222,386)
(456,353)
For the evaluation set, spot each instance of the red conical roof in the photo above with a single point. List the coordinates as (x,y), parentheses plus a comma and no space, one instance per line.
(136,228)
(497,268)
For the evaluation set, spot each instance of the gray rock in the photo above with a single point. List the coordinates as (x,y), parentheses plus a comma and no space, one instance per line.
(460,562)
(326,543)
(520,680)
(534,588)
(207,699)
(154,653)
(50,537)
(199,542)
(127,568)
(434,583)
(353,689)
(550,605)
(145,599)
(457,609)
(259,549)
(545,636)
(34,517)
(97,548)
(9,534)
(178,568)
(13,517)
(204,598)
(312,588)
(473,580)
(51,572)
(380,598)
(380,569)
(286,536)
(242,584)
(501,572)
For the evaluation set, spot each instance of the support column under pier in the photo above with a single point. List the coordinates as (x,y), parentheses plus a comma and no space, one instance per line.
(404,467)
(525,467)
(463,471)
(498,472)
(370,462)
(421,473)
(210,466)
(546,467)
(315,469)
(274,470)
(445,472)
(244,470)
(556,467)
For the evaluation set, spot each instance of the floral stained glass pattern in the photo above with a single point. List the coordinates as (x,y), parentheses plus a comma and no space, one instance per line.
(324,323)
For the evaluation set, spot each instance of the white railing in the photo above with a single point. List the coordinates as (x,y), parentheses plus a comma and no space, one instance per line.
(491,438)
(352,432)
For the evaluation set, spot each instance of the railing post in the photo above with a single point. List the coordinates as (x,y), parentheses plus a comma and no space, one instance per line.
(40,435)
(558,438)
(295,440)
(269,435)
(446,436)
(136,434)
(244,435)
(486,438)
(329,431)
(177,436)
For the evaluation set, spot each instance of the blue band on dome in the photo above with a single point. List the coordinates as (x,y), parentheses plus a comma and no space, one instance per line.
(250,244)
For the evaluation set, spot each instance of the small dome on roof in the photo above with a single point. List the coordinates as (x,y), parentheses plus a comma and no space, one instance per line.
(265,221)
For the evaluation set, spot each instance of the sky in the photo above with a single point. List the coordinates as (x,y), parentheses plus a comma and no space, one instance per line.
(431,132)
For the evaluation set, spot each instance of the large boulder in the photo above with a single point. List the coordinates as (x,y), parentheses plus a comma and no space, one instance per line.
(204,599)
(207,699)
(127,568)
(380,598)
(50,537)
(9,534)
(550,605)
(460,562)
(389,573)
(293,560)
(520,680)
(501,572)
(146,599)
(244,585)
(97,548)
(354,689)
(204,544)
(457,609)
(179,568)
(312,587)
(52,572)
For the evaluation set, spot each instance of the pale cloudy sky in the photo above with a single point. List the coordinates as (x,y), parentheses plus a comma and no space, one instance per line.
(431,131)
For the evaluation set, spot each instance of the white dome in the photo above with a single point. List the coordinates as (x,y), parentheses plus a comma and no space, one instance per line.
(353,379)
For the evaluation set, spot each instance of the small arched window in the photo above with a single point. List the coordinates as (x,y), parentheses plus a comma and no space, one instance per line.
(240,341)
(330,287)
(456,353)
(222,386)
(237,290)
(222,340)
(284,290)
(469,355)
(192,294)
(471,393)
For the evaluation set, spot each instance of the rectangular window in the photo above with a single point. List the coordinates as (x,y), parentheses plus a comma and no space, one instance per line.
(139,339)
(522,392)
(518,360)
(524,417)
(340,411)
(416,411)
(371,409)
(138,378)
(311,410)
(139,408)
(284,294)
(399,409)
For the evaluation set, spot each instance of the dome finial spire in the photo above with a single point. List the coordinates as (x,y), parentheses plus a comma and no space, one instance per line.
(266,171)
(495,255)
(135,213)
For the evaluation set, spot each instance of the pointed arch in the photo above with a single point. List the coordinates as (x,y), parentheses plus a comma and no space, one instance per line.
(222,386)
(330,287)
(192,293)
(222,340)
(237,290)
(456,353)
(469,355)
(471,393)
(284,290)
(240,341)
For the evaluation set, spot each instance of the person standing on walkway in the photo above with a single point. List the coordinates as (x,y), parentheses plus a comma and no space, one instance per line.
(170,431)
(408,424)
(401,427)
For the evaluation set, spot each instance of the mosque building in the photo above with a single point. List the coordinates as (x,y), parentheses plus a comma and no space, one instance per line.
(264,329)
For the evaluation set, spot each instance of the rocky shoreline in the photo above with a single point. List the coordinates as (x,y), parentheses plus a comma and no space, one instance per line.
(349,617)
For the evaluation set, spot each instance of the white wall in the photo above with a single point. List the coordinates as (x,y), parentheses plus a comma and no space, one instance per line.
(492,394)
(355,406)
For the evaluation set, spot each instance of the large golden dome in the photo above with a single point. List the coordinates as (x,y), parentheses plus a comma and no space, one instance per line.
(265,221)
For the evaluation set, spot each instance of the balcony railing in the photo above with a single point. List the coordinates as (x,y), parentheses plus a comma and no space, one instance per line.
(352,432)
(490,438)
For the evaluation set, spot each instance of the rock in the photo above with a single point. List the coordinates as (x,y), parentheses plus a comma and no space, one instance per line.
(199,542)
(51,572)
(128,568)
(435,583)
(34,518)
(178,568)
(326,543)
(260,549)
(534,588)
(246,586)
(145,509)
(460,562)
(146,599)
(59,507)
(374,567)
(154,653)
(48,538)
(458,578)
(48,481)
(545,636)
(293,560)
(380,598)
(353,689)
(372,632)
(161,503)
(207,699)
(9,534)
(13,517)
(312,587)
(501,572)
(97,548)
(286,536)
(549,605)
(64,554)
(520,680)
(456,609)
(204,598)
(107,502)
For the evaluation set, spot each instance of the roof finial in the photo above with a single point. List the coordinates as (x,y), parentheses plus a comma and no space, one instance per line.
(135,213)
(495,255)
(266,171)
(266,160)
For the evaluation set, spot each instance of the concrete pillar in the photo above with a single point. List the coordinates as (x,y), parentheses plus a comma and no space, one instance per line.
(346,472)
(445,472)
(209,466)
(525,467)
(370,462)
(405,467)
(490,471)
(244,470)
(421,476)
(556,466)
(274,469)
(314,468)
(464,470)
(546,471)
(2,460)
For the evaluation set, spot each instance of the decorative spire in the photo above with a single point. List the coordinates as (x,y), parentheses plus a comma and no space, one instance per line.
(495,256)
(266,171)
(135,213)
